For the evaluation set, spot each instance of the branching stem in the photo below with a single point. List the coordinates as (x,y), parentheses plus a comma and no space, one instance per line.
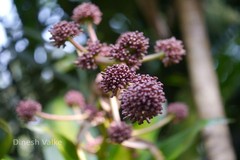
(62,117)
(115,109)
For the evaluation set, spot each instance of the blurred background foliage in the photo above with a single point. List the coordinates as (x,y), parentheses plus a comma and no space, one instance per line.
(30,67)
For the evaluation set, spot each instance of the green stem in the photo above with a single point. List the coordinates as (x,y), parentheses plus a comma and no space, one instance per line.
(150,57)
(115,109)
(78,46)
(91,32)
(107,61)
(62,117)
(104,60)
(142,144)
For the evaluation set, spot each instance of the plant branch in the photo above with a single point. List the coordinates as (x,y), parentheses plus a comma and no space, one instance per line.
(62,117)
(91,32)
(78,46)
(104,60)
(109,61)
(141,144)
(115,109)
(151,57)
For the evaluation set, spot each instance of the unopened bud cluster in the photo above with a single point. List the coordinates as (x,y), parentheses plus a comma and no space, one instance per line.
(178,109)
(119,132)
(62,31)
(173,50)
(143,99)
(116,77)
(140,97)
(130,48)
(87,12)
(26,109)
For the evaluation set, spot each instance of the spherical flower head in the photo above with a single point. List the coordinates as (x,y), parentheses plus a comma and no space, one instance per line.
(143,99)
(95,116)
(26,109)
(116,77)
(74,98)
(179,110)
(119,132)
(62,31)
(94,47)
(97,86)
(173,50)
(87,12)
(87,60)
(130,48)
(105,50)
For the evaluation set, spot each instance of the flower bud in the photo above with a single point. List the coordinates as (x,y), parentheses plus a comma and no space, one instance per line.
(87,12)
(62,31)
(173,50)
(178,109)
(116,77)
(119,132)
(130,48)
(26,109)
(143,99)
(74,98)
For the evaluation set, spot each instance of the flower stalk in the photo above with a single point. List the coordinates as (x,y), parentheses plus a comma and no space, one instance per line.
(104,60)
(115,109)
(141,144)
(62,117)
(159,55)
(78,46)
(147,58)
(91,32)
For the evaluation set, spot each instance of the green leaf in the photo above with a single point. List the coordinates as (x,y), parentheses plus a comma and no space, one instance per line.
(7,158)
(5,138)
(117,152)
(59,146)
(178,143)
(67,148)
(151,136)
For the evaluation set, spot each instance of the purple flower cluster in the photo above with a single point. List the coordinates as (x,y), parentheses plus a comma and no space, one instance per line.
(74,98)
(26,109)
(141,96)
(138,97)
(173,50)
(105,50)
(87,61)
(143,99)
(116,77)
(119,132)
(95,115)
(87,12)
(62,31)
(130,48)
(178,109)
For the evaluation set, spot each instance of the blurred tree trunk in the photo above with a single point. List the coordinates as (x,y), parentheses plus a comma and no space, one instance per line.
(154,17)
(204,80)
